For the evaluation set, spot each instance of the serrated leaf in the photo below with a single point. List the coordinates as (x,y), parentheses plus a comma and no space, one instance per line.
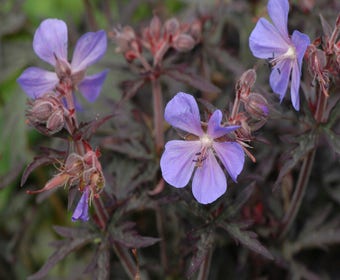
(192,79)
(306,144)
(126,235)
(62,251)
(246,238)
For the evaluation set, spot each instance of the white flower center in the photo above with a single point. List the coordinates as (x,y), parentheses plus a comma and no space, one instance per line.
(206,142)
(289,54)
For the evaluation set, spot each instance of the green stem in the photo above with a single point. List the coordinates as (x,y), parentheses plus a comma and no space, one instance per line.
(299,192)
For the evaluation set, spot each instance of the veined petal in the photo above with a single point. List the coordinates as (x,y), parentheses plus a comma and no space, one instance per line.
(278,12)
(231,155)
(295,86)
(265,41)
(182,112)
(209,181)
(177,162)
(279,77)
(91,86)
(82,210)
(36,81)
(89,49)
(50,40)
(300,42)
(215,129)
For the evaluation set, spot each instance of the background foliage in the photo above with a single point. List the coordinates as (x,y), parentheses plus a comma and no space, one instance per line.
(179,235)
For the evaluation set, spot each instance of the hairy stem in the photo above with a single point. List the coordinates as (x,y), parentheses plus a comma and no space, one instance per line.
(126,260)
(205,266)
(299,192)
(158,114)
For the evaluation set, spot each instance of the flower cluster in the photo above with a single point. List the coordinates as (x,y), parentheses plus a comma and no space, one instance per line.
(285,53)
(52,105)
(157,38)
(197,152)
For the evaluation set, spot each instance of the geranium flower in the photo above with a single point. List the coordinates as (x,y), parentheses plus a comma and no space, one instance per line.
(82,210)
(198,154)
(285,53)
(50,44)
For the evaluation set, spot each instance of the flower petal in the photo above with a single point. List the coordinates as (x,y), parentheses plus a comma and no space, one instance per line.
(89,49)
(182,112)
(279,77)
(209,181)
(82,210)
(50,40)
(36,82)
(177,162)
(91,86)
(278,12)
(231,155)
(215,129)
(301,42)
(295,86)
(266,42)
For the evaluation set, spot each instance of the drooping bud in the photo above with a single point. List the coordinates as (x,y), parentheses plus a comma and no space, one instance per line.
(82,209)
(256,106)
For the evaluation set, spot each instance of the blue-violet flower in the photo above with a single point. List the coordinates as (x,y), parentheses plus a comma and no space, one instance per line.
(198,155)
(82,210)
(50,44)
(285,53)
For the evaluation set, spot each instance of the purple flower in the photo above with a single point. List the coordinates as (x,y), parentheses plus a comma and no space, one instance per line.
(50,44)
(181,158)
(82,210)
(285,53)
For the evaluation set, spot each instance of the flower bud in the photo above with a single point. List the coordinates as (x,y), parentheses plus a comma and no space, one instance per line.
(46,114)
(74,166)
(155,27)
(183,42)
(257,106)
(171,27)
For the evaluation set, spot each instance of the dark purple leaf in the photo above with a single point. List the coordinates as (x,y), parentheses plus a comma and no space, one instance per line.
(61,253)
(192,79)
(88,129)
(126,235)
(306,144)
(246,238)
(37,161)
(130,88)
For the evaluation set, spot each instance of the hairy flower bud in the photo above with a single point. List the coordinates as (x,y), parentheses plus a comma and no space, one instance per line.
(257,106)
(171,27)
(46,114)
(246,82)
(183,42)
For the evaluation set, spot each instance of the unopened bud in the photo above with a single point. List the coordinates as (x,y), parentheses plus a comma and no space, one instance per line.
(46,114)
(248,79)
(183,42)
(155,27)
(257,106)
(171,27)
(196,31)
